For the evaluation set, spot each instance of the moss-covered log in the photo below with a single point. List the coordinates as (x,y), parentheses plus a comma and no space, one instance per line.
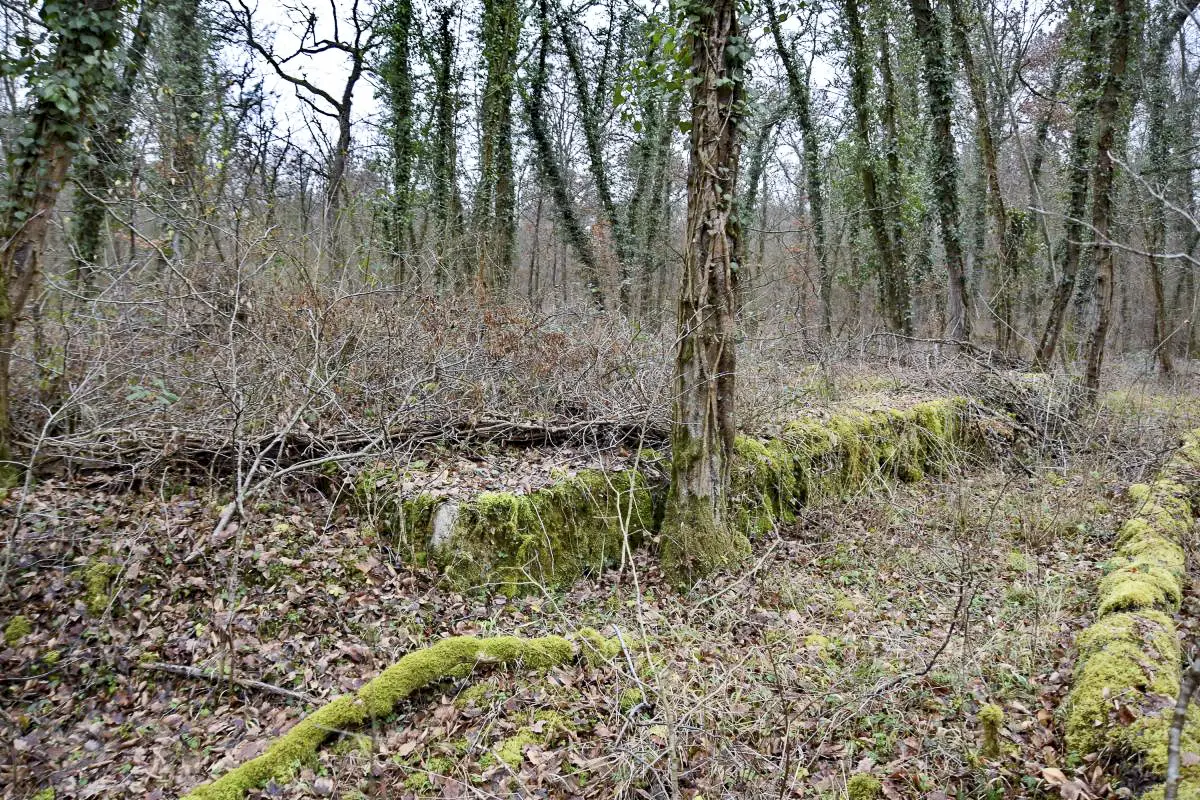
(1130,661)
(455,657)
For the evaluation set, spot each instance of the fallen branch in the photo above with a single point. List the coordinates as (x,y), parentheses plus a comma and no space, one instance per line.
(216,677)
(146,451)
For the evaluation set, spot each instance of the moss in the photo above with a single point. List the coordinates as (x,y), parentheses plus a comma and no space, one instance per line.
(44,794)
(630,698)
(51,657)
(763,486)
(474,695)
(511,752)
(97,585)
(857,447)
(354,743)
(815,459)
(696,544)
(816,641)
(1018,561)
(421,780)
(863,787)
(453,657)
(547,726)
(17,629)
(595,648)
(1189,789)
(1146,582)
(1130,661)
(407,521)
(991,717)
(549,537)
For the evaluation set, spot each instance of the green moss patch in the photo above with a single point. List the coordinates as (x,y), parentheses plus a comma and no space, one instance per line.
(17,629)
(549,537)
(854,448)
(97,586)
(863,787)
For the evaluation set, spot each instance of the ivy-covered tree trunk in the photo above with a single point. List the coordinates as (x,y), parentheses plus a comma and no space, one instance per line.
(943,178)
(1169,19)
(892,269)
(445,205)
(495,200)
(396,74)
(798,89)
(648,212)
(591,121)
(98,175)
(549,170)
(697,537)
(66,90)
(185,77)
(1077,179)
(1112,120)
(1005,288)
(899,285)
(1186,297)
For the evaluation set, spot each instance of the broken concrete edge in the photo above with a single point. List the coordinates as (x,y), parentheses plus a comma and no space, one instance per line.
(517,543)
(454,657)
(1129,663)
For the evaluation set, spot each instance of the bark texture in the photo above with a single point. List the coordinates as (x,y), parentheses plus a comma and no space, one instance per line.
(697,537)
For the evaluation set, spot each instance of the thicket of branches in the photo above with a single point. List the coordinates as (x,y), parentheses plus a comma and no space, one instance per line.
(377,216)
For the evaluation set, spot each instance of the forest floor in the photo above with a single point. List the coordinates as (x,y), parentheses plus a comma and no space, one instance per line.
(863,638)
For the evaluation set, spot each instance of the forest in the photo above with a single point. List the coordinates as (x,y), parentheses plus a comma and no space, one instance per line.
(671,399)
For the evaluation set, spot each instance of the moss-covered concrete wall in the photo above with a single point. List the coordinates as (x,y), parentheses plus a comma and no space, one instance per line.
(549,537)
(517,542)
(1129,664)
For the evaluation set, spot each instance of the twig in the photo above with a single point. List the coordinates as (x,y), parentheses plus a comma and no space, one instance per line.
(245,683)
(1187,688)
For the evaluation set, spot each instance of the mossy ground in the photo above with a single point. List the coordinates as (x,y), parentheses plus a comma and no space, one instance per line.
(856,597)
(792,676)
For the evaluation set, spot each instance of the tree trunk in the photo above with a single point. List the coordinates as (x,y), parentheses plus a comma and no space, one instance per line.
(939,86)
(892,270)
(893,190)
(593,139)
(495,201)
(550,170)
(1077,179)
(1111,122)
(697,538)
(98,177)
(798,88)
(1158,91)
(83,36)
(187,46)
(396,75)
(1004,273)
(445,207)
